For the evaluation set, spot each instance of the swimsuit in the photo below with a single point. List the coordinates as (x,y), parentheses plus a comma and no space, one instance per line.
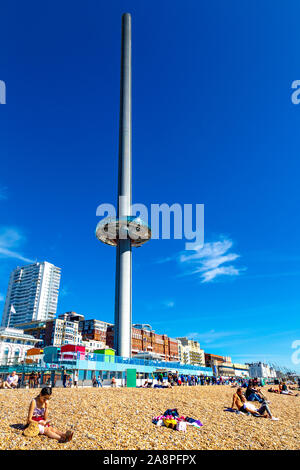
(39,415)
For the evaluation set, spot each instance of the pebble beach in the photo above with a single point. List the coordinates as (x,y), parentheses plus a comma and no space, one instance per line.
(121,419)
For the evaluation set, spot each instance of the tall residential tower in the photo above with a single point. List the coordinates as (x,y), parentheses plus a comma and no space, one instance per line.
(32,294)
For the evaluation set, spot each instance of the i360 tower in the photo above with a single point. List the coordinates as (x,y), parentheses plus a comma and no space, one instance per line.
(125,231)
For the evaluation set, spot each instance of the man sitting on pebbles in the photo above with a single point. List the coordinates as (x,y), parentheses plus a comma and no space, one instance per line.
(240,402)
(11,381)
(4,383)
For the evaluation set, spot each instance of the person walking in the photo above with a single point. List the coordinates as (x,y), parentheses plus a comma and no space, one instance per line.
(75,379)
(65,376)
(99,382)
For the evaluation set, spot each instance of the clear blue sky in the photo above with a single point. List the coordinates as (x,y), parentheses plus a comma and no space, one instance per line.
(213,123)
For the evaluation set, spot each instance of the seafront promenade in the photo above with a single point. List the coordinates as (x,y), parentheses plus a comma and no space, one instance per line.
(105,418)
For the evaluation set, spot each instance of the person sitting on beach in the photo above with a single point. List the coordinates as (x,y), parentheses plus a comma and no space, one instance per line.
(38,412)
(253,394)
(113,382)
(284,390)
(273,390)
(12,380)
(239,401)
(4,384)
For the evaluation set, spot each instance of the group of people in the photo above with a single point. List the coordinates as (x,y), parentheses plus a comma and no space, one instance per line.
(35,379)
(97,382)
(193,380)
(69,381)
(283,390)
(243,405)
(242,402)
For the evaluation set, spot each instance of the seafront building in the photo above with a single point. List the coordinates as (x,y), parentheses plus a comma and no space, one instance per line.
(261,370)
(94,329)
(145,339)
(14,344)
(61,331)
(32,294)
(37,329)
(215,360)
(230,369)
(190,351)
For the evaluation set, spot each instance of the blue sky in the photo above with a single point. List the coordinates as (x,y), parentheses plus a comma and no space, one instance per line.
(213,123)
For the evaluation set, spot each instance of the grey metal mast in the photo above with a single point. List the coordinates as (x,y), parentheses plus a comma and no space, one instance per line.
(124,231)
(123,316)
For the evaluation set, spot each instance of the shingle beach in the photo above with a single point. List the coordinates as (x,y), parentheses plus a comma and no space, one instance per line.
(121,419)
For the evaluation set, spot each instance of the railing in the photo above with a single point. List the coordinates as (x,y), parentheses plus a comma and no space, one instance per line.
(93,357)
(144,362)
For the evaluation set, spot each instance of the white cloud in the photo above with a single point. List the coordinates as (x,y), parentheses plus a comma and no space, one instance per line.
(3,193)
(207,261)
(64,292)
(10,239)
(1,298)
(169,304)
(212,335)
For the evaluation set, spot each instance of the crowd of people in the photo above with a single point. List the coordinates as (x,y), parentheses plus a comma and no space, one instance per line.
(175,379)
(242,402)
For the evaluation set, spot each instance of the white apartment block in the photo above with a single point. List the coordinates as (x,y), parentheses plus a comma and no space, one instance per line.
(189,352)
(261,370)
(32,294)
(63,332)
(13,345)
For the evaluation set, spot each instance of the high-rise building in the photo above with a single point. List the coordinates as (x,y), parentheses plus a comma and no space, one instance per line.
(190,351)
(32,294)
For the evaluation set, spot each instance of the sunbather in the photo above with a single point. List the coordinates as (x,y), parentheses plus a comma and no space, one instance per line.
(239,401)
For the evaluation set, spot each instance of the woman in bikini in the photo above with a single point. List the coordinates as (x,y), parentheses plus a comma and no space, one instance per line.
(38,411)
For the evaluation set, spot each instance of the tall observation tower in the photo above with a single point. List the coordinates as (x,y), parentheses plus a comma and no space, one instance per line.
(125,231)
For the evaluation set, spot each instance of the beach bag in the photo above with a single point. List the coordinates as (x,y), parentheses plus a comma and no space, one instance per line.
(170,423)
(32,430)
